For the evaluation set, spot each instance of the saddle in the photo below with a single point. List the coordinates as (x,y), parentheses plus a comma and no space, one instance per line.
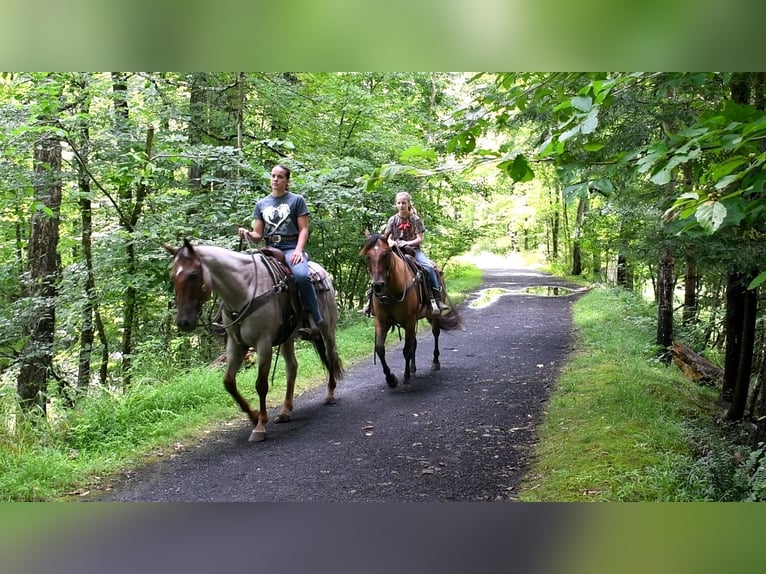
(280,270)
(408,254)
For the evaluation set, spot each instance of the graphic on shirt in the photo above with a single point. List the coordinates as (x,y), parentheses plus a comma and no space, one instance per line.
(274,216)
(401,228)
(404,227)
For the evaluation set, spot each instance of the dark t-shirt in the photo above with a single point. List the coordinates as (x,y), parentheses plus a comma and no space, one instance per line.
(280,214)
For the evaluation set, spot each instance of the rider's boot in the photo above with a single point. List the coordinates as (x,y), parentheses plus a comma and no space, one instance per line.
(437,305)
(310,330)
(368,306)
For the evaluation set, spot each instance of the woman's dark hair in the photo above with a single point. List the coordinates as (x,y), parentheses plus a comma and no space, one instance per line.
(284,167)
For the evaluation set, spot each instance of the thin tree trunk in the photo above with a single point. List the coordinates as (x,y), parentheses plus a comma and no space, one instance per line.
(197,113)
(742,383)
(665,304)
(582,208)
(735,297)
(45,273)
(554,226)
(759,411)
(87,329)
(691,279)
(624,273)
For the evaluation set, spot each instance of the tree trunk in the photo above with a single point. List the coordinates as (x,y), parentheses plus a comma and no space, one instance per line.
(733,322)
(582,208)
(45,273)
(665,304)
(624,274)
(759,410)
(554,225)
(86,243)
(691,280)
(742,382)
(196,126)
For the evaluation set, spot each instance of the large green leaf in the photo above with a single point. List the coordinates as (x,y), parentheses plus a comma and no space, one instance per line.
(582,103)
(710,215)
(518,168)
(758,281)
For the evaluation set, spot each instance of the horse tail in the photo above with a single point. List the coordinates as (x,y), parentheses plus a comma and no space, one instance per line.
(333,364)
(450,321)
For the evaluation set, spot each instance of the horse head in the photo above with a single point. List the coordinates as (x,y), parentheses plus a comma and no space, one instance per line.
(377,253)
(191,282)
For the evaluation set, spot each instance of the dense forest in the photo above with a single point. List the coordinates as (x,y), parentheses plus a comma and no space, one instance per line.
(653,181)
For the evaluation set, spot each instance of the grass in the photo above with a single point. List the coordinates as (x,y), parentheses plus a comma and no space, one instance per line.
(82,449)
(622,426)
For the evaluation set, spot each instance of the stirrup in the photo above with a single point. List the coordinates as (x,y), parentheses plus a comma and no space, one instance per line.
(435,310)
(310,332)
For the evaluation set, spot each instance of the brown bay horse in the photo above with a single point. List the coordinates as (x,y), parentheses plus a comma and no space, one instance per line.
(259,312)
(399,298)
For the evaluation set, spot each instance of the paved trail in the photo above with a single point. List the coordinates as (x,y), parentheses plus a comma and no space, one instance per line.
(464,433)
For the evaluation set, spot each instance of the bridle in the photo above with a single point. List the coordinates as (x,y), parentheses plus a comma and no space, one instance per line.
(387,294)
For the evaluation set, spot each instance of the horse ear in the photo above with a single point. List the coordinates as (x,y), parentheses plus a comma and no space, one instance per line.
(367,233)
(170,249)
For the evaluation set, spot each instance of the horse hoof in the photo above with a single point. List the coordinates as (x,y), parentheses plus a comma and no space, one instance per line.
(282,418)
(435,366)
(257,436)
(392,381)
(329,401)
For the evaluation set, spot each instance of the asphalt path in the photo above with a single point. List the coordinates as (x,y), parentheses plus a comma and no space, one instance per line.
(464,433)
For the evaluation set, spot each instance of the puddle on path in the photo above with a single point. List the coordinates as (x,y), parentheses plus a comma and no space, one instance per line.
(486,297)
(548,290)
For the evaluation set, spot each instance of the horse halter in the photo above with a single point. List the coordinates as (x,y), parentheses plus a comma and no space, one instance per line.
(192,285)
(391,252)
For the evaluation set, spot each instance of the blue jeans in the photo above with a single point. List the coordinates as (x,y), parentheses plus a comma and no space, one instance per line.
(428,267)
(303,282)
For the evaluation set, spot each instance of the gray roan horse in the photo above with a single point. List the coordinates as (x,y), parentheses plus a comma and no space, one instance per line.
(260,311)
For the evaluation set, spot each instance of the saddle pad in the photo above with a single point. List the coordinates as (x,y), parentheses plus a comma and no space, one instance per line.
(319,277)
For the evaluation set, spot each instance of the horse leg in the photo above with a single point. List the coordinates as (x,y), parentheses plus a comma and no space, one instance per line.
(410,348)
(436,330)
(262,388)
(328,352)
(291,370)
(235,354)
(380,351)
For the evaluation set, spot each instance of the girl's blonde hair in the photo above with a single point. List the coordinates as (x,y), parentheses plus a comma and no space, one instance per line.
(408,197)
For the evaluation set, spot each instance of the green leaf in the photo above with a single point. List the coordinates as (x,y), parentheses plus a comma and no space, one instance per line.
(417,151)
(569,133)
(725,168)
(757,281)
(593,146)
(591,122)
(661,177)
(577,190)
(710,216)
(546,148)
(582,103)
(726,181)
(603,185)
(647,162)
(518,169)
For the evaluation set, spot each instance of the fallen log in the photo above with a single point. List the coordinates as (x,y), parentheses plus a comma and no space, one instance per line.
(695,366)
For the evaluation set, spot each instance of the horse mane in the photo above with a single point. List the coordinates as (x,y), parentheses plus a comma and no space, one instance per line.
(372,240)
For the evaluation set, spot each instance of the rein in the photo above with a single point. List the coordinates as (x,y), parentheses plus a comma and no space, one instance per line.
(255,301)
